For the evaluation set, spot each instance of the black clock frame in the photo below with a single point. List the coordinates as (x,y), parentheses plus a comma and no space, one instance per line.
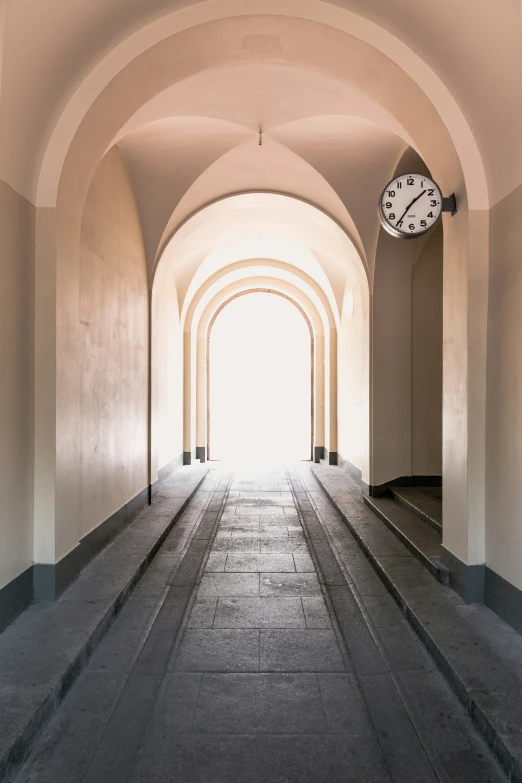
(449,204)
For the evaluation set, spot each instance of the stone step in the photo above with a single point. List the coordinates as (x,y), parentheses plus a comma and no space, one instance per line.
(421,502)
(422,541)
(44,650)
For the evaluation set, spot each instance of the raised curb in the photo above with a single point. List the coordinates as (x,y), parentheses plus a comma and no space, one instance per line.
(27,706)
(502,734)
(436,569)
(401,495)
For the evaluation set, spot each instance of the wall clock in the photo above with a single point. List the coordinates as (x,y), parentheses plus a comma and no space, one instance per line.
(411,204)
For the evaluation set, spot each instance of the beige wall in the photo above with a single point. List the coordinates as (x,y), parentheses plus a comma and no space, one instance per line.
(113,346)
(167,376)
(353,381)
(465,305)
(17,227)
(391,360)
(504,393)
(426,371)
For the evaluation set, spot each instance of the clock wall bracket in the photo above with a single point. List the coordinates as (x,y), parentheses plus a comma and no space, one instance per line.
(449,204)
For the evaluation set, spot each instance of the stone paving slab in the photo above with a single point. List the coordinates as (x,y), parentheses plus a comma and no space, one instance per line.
(44,650)
(259,703)
(299,650)
(479,654)
(278,563)
(307,758)
(259,612)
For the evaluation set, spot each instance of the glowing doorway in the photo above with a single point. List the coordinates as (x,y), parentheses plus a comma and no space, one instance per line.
(260,380)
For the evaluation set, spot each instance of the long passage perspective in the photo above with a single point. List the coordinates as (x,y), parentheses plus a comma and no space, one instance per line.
(260,645)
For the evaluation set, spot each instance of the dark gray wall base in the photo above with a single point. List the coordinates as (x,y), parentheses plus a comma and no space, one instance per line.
(504,599)
(347,467)
(467,581)
(318,453)
(189,457)
(201,453)
(51,580)
(381,490)
(15,597)
(426,481)
(330,457)
(45,582)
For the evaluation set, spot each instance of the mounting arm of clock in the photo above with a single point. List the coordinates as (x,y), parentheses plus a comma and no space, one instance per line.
(411,204)
(449,204)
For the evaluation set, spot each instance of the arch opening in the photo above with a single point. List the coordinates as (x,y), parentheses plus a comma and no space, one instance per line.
(260,379)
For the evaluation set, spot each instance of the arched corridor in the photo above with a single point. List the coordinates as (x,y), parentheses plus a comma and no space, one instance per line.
(260,426)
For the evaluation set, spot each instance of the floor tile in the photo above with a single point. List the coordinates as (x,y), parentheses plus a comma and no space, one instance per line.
(304,563)
(316,612)
(259,703)
(300,650)
(260,562)
(282,544)
(236,521)
(218,650)
(202,613)
(229,584)
(216,561)
(317,759)
(259,612)
(289,584)
(238,544)
(275,520)
(260,533)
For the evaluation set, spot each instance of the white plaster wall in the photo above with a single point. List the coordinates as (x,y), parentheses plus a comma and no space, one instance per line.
(391,360)
(17,226)
(504,393)
(426,370)
(465,306)
(167,374)
(3,8)
(113,348)
(353,381)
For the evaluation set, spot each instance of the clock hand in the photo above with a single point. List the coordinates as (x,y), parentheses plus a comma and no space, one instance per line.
(409,205)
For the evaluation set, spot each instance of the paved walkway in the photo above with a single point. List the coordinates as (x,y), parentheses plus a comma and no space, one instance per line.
(253,660)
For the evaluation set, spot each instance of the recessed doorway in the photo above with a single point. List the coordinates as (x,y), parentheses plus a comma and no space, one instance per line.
(260,380)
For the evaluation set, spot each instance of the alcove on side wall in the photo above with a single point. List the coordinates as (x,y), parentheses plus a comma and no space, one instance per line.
(426,364)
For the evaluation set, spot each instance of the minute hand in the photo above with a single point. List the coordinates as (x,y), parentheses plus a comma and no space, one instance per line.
(409,205)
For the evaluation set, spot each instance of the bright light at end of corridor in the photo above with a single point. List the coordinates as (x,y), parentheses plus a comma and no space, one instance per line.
(260,382)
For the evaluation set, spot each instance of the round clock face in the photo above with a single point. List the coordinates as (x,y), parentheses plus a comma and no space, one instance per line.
(410,205)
